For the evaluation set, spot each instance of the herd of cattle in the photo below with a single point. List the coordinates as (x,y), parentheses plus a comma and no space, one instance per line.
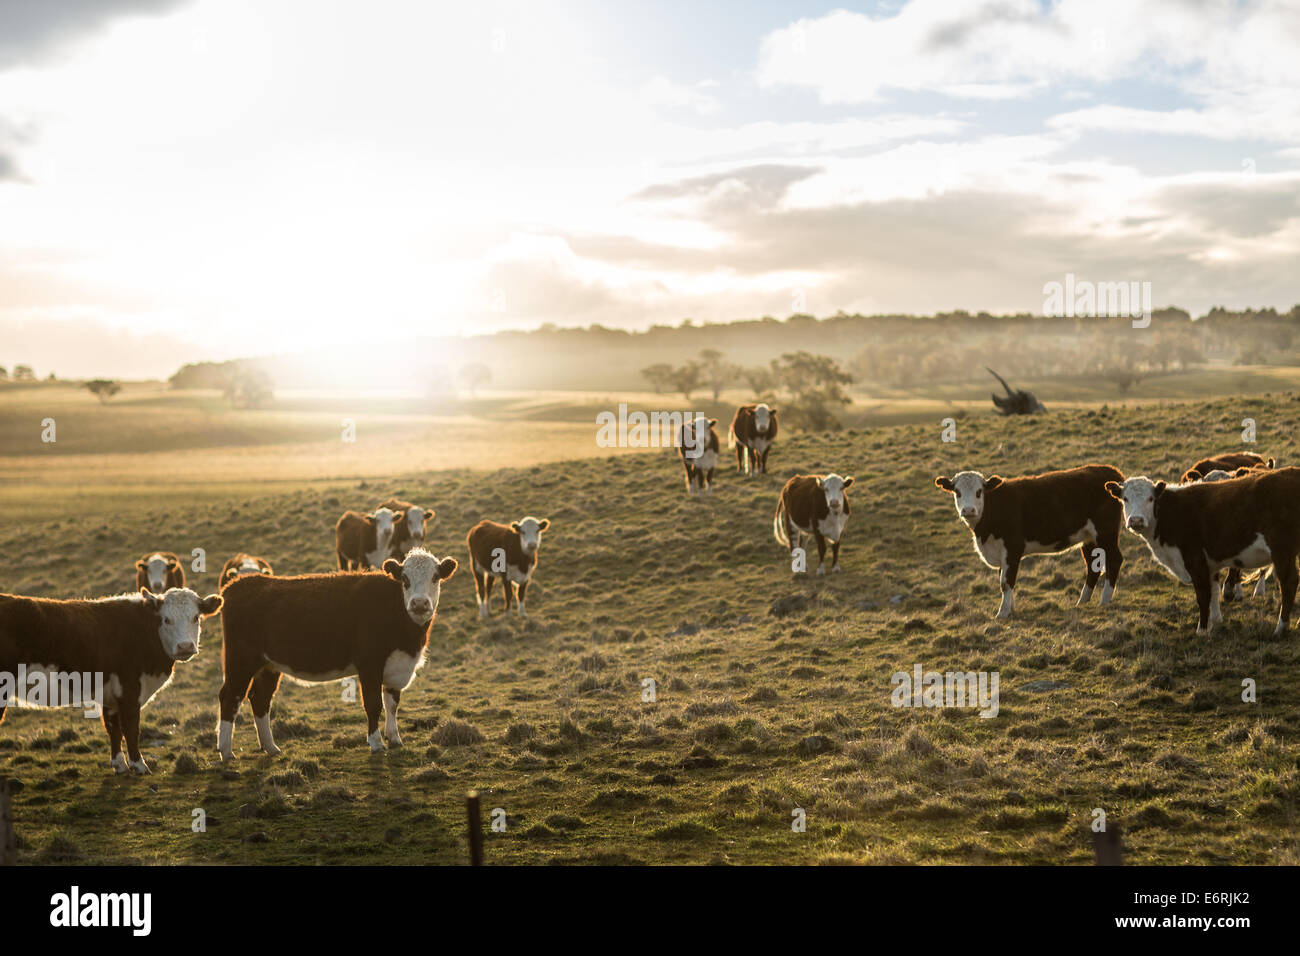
(371,619)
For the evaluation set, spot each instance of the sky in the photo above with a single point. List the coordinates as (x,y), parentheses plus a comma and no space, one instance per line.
(208,179)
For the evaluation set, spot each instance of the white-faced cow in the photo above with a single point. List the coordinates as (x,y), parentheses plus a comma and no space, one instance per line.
(753,430)
(325,627)
(1011,518)
(1198,529)
(159,571)
(133,641)
(241,564)
(508,552)
(815,505)
(1228,461)
(410,523)
(1232,589)
(364,541)
(697,443)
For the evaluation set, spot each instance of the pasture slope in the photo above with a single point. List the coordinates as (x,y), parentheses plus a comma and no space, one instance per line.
(773,691)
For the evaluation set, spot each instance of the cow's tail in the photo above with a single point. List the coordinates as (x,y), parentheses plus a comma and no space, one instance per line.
(778,526)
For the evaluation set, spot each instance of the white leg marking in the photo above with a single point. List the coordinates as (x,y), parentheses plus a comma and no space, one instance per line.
(139,766)
(1107,594)
(1008,597)
(376,742)
(225,730)
(264,734)
(1261,585)
(1216,613)
(390,720)
(1085,595)
(119,763)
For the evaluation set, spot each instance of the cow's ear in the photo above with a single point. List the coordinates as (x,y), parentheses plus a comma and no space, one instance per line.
(771,411)
(231,574)
(210,605)
(428,514)
(514,526)
(266,567)
(1114,489)
(1270,463)
(142,564)
(393,568)
(1191,475)
(1241,471)
(992,483)
(543,524)
(944,483)
(847,482)
(151,600)
(446,568)
(173,563)
(1160,488)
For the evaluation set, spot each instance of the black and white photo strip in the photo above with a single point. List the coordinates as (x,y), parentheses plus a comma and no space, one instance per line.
(637,434)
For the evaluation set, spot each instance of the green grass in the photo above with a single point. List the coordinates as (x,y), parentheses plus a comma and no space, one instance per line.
(638,581)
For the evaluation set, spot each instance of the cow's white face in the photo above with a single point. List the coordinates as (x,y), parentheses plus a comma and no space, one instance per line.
(155,569)
(421,576)
(250,566)
(695,436)
(969,493)
(384,520)
(834,486)
(1138,496)
(530,533)
(179,611)
(762,418)
(415,518)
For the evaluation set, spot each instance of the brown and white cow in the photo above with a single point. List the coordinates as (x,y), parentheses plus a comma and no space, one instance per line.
(409,524)
(364,541)
(1232,589)
(131,641)
(697,443)
(508,552)
(159,571)
(815,505)
(241,564)
(753,430)
(1196,530)
(1012,518)
(325,627)
(1228,461)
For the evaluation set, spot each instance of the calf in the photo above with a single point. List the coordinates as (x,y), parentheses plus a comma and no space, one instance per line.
(159,572)
(324,627)
(697,443)
(132,641)
(815,505)
(1011,518)
(1195,530)
(409,525)
(364,541)
(242,564)
(753,430)
(508,552)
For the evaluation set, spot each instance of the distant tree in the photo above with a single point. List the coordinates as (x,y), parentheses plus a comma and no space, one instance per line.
(24,373)
(762,381)
(4,374)
(473,375)
(103,389)
(247,387)
(659,375)
(716,373)
(687,379)
(815,383)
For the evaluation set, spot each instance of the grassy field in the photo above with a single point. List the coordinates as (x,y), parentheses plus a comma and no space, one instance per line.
(773,691)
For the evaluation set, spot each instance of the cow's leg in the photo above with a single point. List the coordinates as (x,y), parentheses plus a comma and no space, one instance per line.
(1091,574)
(1114,561)
(1010,568)
(521,589)
(1232,587)
(821,550)
(708,481)
(480,587)
(264,687)
(741,457)
(1204,585)
(508,588)
(233,691)
(374,705)
(1261,583)
(128,710)
(392,697)
(835,557)
(690,479)
(343,562)
(762,469)
(1284,569)
(3,708)
(113,726)
(488,579)
(1216,611)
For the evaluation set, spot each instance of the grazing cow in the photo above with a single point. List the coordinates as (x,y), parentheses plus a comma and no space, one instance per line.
(409,525)
(132,640)
(364,541)
(505,551)
(1011,518)
(1232,589)
(324,627)
(815,505)
(159,572)
(1195,530)
(242,564)
(697,443)
(753,430)
(1229,462)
